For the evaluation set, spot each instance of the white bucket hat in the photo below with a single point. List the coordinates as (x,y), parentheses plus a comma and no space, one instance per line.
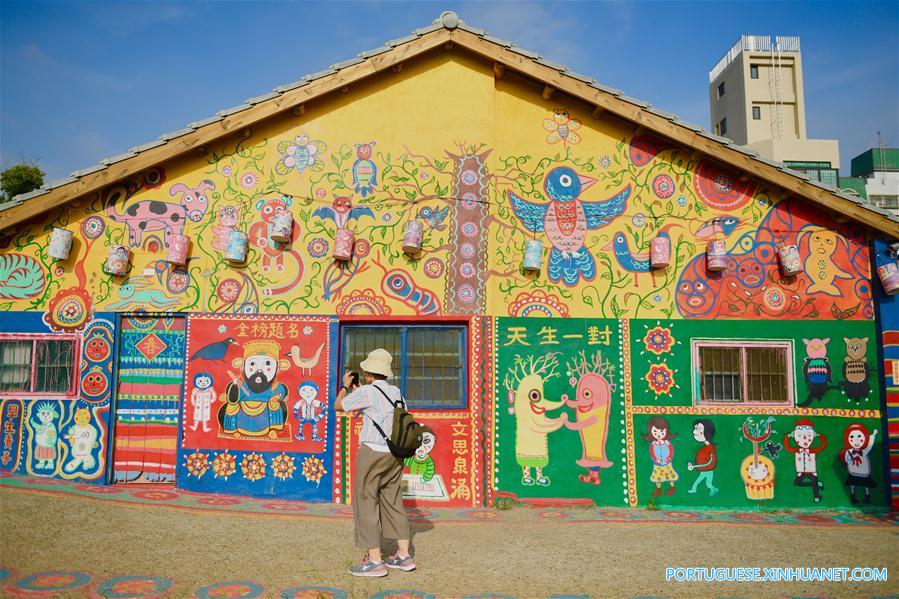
(379,361)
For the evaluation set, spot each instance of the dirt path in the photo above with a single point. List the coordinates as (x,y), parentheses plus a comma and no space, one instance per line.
(517,557)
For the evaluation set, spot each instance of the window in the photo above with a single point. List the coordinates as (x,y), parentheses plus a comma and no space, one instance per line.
(722,127)
(428,360)
(756,113)
(753,71)
(884,201)
(720,89)
(38,364)
(743,372)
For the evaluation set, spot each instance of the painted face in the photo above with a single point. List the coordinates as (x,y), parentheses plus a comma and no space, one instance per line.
(657,433)
(699,433)
(94,383)
(342,204)
(561,116)
(427,444)
(97,349)
(228,216)
(816,348)
(363,150)
(45,416)
(804,437)
(203,382)
(856,439)
(271,209)
(592,392)
(260,371)
(82,416)
(308,393)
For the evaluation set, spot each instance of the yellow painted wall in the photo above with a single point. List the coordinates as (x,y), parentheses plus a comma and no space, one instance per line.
(454,145)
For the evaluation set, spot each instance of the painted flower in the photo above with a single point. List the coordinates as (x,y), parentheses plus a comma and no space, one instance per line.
(425,175)
(283,466)
(223,465)
(320,193)
(249,180)
(469,229)
(387,217)
(466,293)
(434,267)
(69,310)
(660,379)
(605,162)
(658,340)
(467,270)
(228,290)
(467,251)
(469,200)
(657,298)
(222,328)
(178,281)
(663,186)
(307,330)
(774,298)
(197,464)
(361,248)
(313,469)
(253,467)
(227,171)
(469,177)
(318,247)
(93,227)
(681,201)
(638,219)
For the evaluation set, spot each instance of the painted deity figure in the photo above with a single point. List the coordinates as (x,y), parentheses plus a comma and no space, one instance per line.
(308,410)
(422,464)
(530,407)
(45,436)
(591,404)
(255,403)
(661,452)
(706,456)
(83,437)
(806,456)
(857,444)
(201,398)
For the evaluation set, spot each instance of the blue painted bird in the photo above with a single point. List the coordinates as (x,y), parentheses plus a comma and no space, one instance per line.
(214,351)
(566,219)
(631,261)
(434,216)
(720,226)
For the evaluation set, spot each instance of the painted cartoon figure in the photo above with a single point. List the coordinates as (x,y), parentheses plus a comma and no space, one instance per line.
(273,253)
(857,444)
(820,266)
(45,436)
(593,396)
(529,404)
(855,369)
(365,171)
(422,464)
(806,456)
(816,370)
(83,437)
(308,410)
(757,470)
(661,452)
(153,215)
(228,218)
(137,292)
(255,403)
(706,456)
(201,399)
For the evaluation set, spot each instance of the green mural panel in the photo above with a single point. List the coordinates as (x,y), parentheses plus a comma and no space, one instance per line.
(560,409)
(741,479)
(841,357)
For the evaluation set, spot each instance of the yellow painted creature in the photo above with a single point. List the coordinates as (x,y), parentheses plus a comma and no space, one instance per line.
(819,266)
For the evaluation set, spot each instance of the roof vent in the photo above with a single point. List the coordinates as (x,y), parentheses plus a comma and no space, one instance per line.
(449,19)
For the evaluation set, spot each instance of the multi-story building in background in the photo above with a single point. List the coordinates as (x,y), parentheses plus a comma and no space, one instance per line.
(875,177)
(756,98)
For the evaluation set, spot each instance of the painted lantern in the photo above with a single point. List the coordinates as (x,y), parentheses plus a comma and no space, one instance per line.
(281,227)
(660,251)
(790,262)
(179,246)
(343,244)
(533,255)
(889,277)
(716,255)
(412,237)
(118,260)
(60,244)
(237,247)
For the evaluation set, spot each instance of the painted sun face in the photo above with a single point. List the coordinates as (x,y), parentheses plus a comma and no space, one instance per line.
(97,349)
(699,433)
(856,439)
(94,382)
(657,433)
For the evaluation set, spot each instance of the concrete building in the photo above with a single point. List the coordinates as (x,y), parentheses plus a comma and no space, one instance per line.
(878,171)
(756,98)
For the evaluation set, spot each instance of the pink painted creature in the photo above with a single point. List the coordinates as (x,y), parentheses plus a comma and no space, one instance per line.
(816,370)
(221,232)
(592,400)
(148,216)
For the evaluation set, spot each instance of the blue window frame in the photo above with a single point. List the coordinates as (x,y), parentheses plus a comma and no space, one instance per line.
(429,361)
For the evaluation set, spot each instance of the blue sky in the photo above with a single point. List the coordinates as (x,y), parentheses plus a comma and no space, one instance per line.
(83,81)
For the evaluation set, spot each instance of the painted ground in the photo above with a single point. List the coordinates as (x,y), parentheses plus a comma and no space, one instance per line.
(66,540)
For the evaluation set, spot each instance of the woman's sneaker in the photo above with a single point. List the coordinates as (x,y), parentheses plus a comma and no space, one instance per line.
(401,563)
(368,568)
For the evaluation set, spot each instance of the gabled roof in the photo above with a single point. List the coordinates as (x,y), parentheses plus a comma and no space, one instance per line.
(446,30)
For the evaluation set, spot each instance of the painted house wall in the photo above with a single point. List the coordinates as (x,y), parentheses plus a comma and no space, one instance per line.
(488,166)
(888,318)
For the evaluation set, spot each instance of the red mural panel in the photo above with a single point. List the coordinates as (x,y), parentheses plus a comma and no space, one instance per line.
(256,383)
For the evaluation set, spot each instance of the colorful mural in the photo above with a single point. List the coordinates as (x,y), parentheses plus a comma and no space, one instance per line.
(256,414)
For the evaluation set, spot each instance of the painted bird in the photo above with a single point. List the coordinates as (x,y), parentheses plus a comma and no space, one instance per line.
(565,219)
(365,171)
(434,216)
(214,351)
(717,227)
(631,261)
(342,211)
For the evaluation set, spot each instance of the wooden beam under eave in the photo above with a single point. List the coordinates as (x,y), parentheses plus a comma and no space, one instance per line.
(548,92)
(397,68)
(299,110)
(597,111)
(499,70)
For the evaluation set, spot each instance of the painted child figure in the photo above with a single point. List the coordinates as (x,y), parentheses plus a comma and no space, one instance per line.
(308,410)
(45,436)
(806,456)
(857,446)
(422,463)
(658,433)
(201,399)
(706,456)
(83,438)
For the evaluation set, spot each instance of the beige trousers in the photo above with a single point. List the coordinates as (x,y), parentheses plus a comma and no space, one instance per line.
(378,498)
